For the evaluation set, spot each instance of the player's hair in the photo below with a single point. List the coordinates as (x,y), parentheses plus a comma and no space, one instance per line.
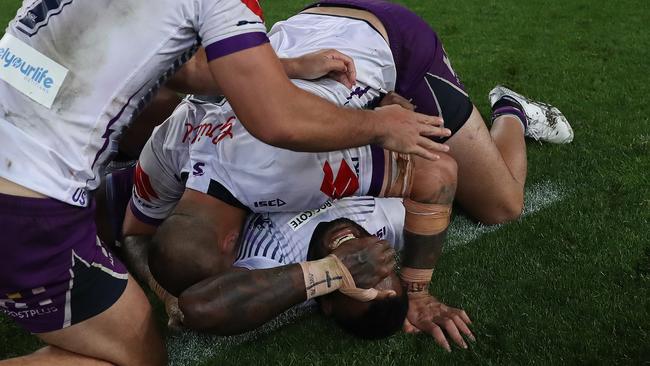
(181,254)
(383,317)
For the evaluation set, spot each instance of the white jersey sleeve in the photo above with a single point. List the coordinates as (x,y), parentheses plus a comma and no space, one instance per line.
(242,28)
(160,174)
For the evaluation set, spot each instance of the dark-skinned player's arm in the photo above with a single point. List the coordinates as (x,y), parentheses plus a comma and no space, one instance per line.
(139,239)
(241,300)
(193,78)
(428,214)
(280,114)
(135,246)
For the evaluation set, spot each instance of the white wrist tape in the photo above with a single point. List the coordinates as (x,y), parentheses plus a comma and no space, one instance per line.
(330,274)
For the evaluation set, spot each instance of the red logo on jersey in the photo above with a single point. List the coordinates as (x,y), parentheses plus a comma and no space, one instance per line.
(254,6)
(345,184)
(216,132)
(143,186)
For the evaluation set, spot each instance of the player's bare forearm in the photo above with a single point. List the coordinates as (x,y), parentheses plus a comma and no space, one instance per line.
(135,249)
(420,251)
(238,301)
(280,114)
(194,77)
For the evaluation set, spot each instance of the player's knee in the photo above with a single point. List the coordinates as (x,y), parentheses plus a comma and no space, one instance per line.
(509,209)
(434,181)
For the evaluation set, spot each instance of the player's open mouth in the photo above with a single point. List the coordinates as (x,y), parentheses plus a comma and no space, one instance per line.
(341,237)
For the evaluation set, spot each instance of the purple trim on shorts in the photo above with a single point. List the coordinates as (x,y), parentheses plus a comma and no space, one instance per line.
(55,272)
(378,166)
(142,217)
(29,206)
(235,44)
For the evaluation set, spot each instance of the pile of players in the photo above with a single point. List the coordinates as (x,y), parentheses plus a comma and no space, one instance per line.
(277,193)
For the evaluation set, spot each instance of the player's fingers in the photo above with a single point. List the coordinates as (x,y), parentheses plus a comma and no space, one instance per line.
(400,100)
(424,153)
(463,315)
(433,131)
(439,337)
(342,78)
(385,294)
(429,144)
(454,334)
(351,69)
(460,324)
(372,240)
(432,146)
(429,120)
(335,66)
(409,328)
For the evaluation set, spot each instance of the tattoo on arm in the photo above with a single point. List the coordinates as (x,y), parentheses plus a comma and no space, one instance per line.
(238,301)
(422,252)
(136,256)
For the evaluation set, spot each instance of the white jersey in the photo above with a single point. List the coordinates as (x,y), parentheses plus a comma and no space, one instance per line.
(275,239)
(117,53)
(232,165)
(373,59)
(162,169)
(235,165)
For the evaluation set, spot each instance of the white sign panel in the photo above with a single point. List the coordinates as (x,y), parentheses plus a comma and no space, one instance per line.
(29,71)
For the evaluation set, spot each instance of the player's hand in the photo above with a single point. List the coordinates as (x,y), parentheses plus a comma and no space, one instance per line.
(174,313)
(408,132)
(369,260)
(330,63)
(427,314)
(394,98)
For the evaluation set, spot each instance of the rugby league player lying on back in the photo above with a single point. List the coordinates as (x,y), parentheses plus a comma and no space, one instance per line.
(265,272)
(226,155)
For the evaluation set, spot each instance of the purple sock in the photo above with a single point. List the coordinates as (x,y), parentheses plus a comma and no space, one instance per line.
(509,106)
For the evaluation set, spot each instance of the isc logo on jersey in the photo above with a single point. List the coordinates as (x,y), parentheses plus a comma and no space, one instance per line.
(270,203)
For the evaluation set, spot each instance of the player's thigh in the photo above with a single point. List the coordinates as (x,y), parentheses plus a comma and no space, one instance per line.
(54,356)
(482,172)
(124,334)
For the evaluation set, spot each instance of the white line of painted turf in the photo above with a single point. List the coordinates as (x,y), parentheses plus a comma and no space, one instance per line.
(189,348)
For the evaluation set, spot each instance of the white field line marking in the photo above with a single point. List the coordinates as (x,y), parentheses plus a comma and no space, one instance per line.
(188,348)
(463,231)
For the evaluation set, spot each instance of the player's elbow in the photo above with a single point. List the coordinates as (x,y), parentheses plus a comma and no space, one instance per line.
(204,315)
(194,311)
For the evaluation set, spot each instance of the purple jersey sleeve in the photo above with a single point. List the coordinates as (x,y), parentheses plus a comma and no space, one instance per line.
(229,26)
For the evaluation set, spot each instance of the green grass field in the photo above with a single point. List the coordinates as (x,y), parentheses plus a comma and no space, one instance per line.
(567,284)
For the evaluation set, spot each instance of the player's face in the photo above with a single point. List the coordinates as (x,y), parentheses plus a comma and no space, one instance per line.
(337,302)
